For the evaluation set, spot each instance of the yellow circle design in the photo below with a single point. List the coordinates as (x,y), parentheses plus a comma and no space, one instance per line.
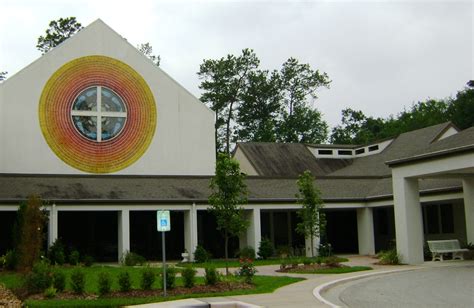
(68,144)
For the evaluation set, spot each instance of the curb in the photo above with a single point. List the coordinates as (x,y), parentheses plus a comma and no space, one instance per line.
(319,289)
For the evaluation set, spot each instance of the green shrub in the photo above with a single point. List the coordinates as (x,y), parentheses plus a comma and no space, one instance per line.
(50,292)
(467,245)
(78,281)
(148,278)
(212,276)
(266,249)
(285,263)
(132,259)
(247,270)
(295,262)
(307,261)
(189,277)
(247,253)
(56,253)
(59,280)
(283,251)
(74,257)
(40,277)
(170,277)
(427,256)
(332,261)
(201,255)
(325,250)
(88,260)
(104,283)
(389,257)
(9,260)
(124,282)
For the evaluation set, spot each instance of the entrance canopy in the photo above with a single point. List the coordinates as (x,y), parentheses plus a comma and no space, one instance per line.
(452,157)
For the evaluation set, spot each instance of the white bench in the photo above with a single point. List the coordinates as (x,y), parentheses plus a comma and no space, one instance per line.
(439,248)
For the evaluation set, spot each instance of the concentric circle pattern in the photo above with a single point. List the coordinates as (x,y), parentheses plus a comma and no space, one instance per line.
(58,129)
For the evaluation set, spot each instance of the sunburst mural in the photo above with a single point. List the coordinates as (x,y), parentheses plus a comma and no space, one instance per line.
(97,114)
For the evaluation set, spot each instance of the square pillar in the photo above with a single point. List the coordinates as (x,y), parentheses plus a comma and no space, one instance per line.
(52,225)
(123,233)
(253,236)
(468,190)
(365,231)
(190,231)
(408,220)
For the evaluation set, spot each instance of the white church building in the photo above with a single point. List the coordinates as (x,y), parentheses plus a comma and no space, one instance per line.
(107,138)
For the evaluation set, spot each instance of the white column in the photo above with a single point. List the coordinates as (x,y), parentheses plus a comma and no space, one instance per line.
(307,243)
(254,232)
(408,220)
(190,231)
(52,225)
(468,189)
(253,235)
(365,231)
(123,232)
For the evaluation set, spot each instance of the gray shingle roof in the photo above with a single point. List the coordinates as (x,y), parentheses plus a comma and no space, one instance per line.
(404,145)
(287,159)
(185,190)
(462,141)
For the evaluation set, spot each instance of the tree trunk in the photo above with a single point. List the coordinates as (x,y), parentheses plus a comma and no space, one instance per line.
(226,254)
(312,246)
(227,133)
(215,133)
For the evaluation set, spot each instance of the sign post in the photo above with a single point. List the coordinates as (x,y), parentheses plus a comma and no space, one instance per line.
(163,225)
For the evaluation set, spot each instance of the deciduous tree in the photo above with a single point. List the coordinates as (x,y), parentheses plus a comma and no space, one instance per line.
(229,193)
(300,122)
(259,111)
(147,50)
(3,76)
(58,31)
(223,82)
(312,218)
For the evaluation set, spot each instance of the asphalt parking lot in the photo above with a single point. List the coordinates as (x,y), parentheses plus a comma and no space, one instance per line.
(427,287)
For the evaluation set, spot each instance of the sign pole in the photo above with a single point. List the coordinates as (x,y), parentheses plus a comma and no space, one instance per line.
(163,247)
(163,222)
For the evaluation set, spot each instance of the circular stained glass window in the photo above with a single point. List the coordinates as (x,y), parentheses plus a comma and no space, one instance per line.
(99,114)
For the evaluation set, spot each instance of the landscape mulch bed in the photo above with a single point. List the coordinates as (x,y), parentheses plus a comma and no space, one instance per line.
(8,299)
(219,287)
(309,268)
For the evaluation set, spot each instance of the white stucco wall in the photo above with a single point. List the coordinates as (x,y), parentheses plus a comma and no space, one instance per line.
(183,143)
(245,165)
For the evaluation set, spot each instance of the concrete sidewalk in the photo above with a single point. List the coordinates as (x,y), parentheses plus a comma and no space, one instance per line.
(301,294)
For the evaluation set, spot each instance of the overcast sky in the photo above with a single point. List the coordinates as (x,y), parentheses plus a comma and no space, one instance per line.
(381,56)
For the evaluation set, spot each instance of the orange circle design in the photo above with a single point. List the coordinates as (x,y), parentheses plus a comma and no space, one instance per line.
(66,142)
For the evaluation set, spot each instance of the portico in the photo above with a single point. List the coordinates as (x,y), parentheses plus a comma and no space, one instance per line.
(454,162)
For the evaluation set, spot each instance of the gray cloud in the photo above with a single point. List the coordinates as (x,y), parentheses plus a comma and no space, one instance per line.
(381,56)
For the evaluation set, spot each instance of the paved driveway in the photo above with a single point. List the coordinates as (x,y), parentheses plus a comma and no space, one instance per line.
(427,287)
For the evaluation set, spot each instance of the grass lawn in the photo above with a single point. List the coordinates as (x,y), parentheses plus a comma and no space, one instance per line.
(335,270)
(263,284)
(219,263)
